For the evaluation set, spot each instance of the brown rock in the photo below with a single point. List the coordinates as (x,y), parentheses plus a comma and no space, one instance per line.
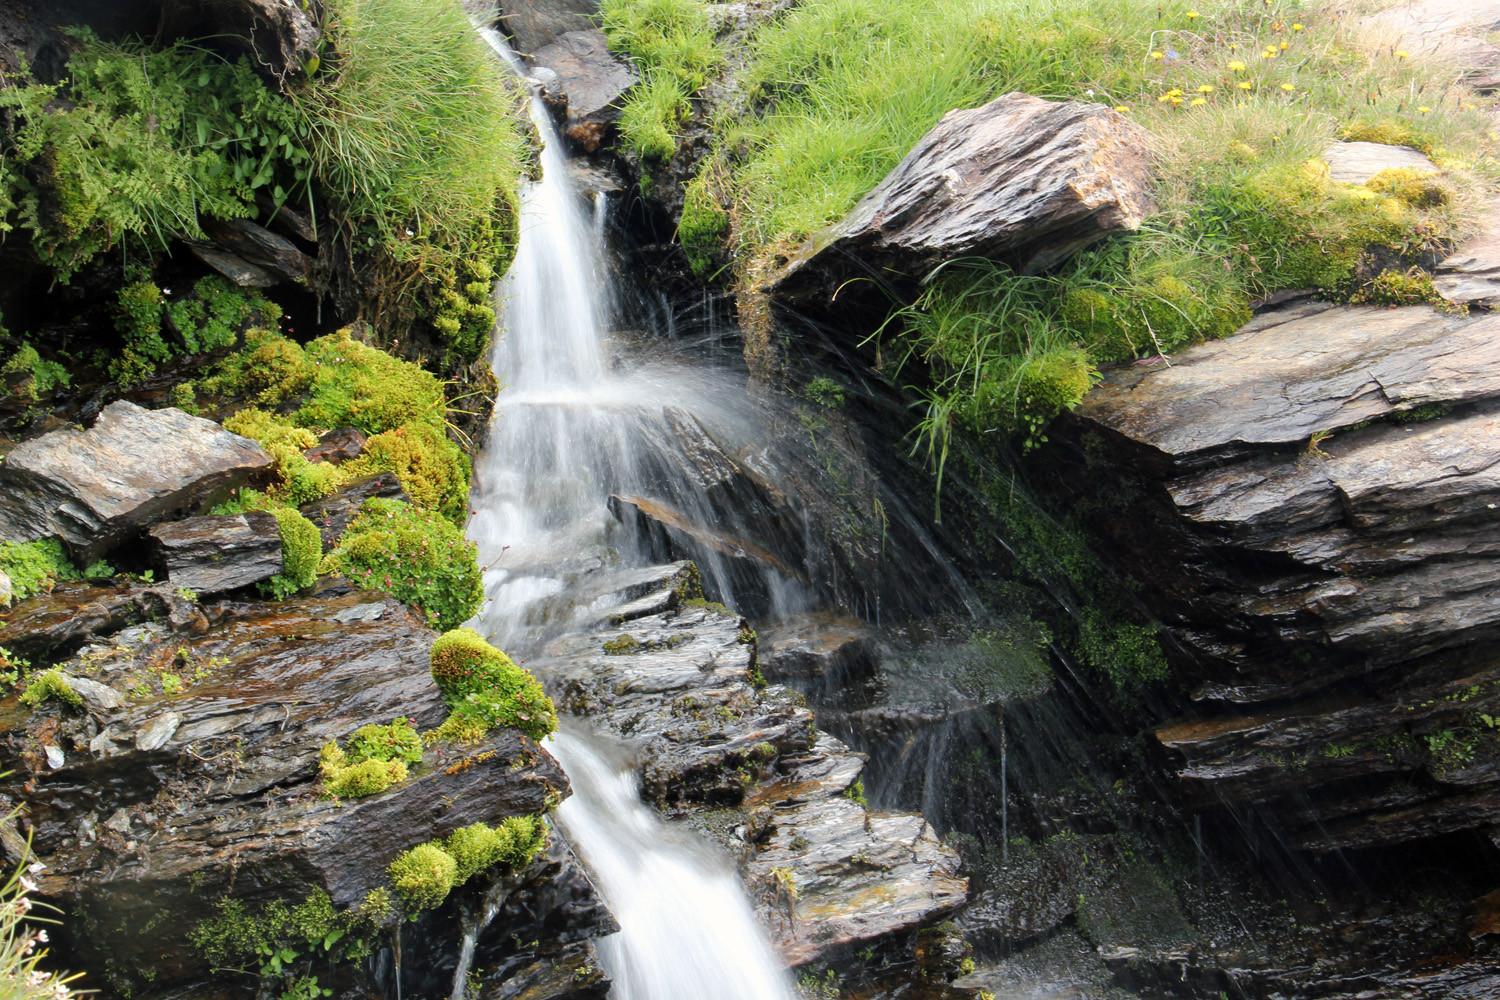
(337,446)
(1023,180)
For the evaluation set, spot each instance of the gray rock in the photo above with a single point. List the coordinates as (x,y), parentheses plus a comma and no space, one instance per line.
(119,821)
(54,755)
(234,267)
(333,514)
(72,614)
(261,247)
(1452,30)
(535,23)
(219,552)
(588,77)
(817,647)
(96,697)
(1357,162)
(1023,180)
(155,734)
(134,467)
(1471,274)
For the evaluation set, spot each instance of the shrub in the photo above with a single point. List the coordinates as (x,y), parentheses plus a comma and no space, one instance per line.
(484,688)
(416,556)
(21,951)
(216,312)
(301,549)
(433,470)
(50,684)
(34,566)
(398,741)
(423,876)
(39,376)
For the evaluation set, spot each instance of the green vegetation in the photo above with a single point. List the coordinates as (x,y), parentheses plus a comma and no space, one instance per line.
(376,758)
(33,567)
(20,938)
(484,689)
(356,385)
(50,684)
(426,874)
(301,548)
(283,943)
(674,43)
(37,377)
(704,224)
(414,555)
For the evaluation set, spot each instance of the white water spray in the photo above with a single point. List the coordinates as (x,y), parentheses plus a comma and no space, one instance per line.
(567,432)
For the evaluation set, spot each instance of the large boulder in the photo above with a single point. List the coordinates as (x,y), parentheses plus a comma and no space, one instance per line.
(134,467)
(1021,179)
(1314,512)
(537,23)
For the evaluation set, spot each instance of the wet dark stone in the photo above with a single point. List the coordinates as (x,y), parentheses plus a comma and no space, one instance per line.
(48,625)
(590,80)
(337,446)
(234,267)
(260,247)
(97,488)
(219,552)
(535,23)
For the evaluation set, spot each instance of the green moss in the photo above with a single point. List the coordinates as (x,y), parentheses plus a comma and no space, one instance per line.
(1129,655)
(423,876)
(398,741)
(216,312)
(687,585)
(414,555)
(622,645)
(347,780)
(301,549)
(269,370)
(271,939)
(703,225)
(1399,288)
(50,684)
(1418,188)
(33,567)
(432,469)
(707,605)
(825,392)
(359,386)
(484,688)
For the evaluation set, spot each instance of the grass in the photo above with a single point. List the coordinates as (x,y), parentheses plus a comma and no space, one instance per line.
(414,126)
(674,43)
(1238,99)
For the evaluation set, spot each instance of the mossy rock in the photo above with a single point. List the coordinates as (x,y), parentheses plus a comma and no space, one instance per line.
(484,688)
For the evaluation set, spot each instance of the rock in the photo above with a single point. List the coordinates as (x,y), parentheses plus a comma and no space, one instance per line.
(1471,274)
(219,552)
(261,248)
(98,487)
(707,740)
(155,734)
(119,821)
(227,805)
(280,36)
(1452,30)
(49,625)
(536,23)
(5,589)
(588,80)
(337,446)
(1357,162)
(1023,180)
(54,754)
(99,698)
(817,647)
(1314,513)
(333,514)
(233,267)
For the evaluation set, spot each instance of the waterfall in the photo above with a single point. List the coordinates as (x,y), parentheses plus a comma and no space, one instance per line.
(567,432)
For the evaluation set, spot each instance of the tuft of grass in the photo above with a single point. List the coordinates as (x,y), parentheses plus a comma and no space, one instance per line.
(674,43)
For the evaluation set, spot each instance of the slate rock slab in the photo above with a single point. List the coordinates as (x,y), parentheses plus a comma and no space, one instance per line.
(220,552)
(1023,180)
(590,78)
(96,488)
(1357,162)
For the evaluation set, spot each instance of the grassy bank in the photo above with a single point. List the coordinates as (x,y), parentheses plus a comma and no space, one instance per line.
(1239,99)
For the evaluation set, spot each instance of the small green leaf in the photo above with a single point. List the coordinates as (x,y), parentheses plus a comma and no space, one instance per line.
(203,78)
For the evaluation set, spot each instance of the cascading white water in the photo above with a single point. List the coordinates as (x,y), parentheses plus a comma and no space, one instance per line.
(686,930)
(566,433)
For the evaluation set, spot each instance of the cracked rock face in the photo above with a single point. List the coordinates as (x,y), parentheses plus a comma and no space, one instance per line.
(1314,506)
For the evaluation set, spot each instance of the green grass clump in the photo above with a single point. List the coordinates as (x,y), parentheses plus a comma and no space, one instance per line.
(50,684)
(703,226)
(484,689)
(33,567)
(415,123)
(301,549)
(376,758)
(674,43)
(426,874)
(413,554)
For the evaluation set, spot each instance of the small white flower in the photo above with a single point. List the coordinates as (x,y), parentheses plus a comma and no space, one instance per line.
(27,885)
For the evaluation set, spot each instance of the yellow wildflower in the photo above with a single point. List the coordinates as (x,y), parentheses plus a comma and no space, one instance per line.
(1174,92)
(1175,101)
(1206,88)
(1121,108)
(1245,84)
(1288,87)
(1237,66)
(1296,27)
(1363,194)
(1283,46)
(1400,53)
(1466,107)
(1423,109)
(1191,14)
(1197,101)
(1268,54)
(1157,55)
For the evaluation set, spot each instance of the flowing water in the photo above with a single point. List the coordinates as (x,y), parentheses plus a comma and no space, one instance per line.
(570,430)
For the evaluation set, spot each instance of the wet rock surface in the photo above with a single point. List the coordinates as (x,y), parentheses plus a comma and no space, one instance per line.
(830,875)
(1021,179)
(221,552)
(98,487)
(333,514)
(588,83)
(49,626)
(1312,505)
(166,796)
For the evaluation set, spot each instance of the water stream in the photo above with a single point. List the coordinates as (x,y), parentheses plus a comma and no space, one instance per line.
(571,427)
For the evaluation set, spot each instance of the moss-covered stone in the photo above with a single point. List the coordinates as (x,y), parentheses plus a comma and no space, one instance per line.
(34,566)
(356,385)
(432,469)
(485,689)
(423,876)
(301,549)
(50,684)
